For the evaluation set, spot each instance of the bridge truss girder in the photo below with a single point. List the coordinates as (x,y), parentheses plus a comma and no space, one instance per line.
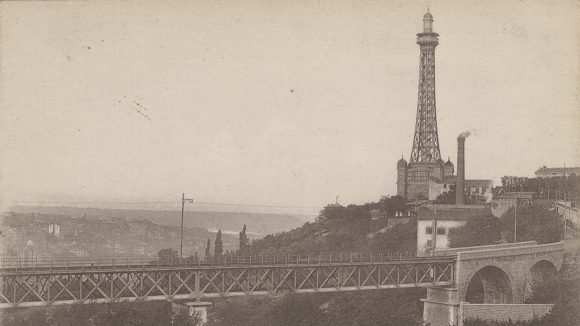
(42,288)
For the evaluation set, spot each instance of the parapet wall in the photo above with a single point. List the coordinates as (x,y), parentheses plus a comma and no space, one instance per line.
(454,251)
(513,250)
(502,312)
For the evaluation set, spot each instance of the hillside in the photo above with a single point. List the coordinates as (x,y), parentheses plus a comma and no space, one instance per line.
(338,228)
(26,235)
(257,223)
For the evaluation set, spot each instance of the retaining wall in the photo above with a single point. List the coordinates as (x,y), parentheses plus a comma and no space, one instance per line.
(502,312)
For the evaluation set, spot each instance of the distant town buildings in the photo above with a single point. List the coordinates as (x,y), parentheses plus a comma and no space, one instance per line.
(54,229)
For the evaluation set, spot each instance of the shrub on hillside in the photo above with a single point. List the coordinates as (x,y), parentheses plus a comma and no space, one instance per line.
(399,238)
(533,223)
(482,230)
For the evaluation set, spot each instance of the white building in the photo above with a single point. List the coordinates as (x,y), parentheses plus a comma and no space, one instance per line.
(434,223)
(54,229)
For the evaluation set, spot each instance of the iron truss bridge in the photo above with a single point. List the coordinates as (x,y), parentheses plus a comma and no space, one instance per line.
(42,284)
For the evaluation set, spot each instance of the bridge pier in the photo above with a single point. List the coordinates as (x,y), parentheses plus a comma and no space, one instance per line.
(196,309)
(441,307)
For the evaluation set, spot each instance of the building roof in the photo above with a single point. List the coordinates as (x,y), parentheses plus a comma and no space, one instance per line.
(468,183)
(402,163)
(575,170)
(450,214)
(418,202)
(434,179)
(477,183)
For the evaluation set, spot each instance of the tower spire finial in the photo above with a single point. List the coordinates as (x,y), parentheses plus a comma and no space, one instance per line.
(428,7)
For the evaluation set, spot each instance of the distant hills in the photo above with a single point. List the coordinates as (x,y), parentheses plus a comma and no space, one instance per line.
(258,224)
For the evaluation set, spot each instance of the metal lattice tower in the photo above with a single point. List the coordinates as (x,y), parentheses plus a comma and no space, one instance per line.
(426,139)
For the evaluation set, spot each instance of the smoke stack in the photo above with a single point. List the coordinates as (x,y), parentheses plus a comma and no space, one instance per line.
(460,181)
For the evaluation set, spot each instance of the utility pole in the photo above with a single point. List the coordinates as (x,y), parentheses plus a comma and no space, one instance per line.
(434,229)
(183,200)
(516,221)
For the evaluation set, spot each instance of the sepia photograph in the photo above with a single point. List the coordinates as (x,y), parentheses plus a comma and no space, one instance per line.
(290,163)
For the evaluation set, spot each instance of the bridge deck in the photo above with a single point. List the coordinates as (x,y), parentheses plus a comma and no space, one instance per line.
(25,287)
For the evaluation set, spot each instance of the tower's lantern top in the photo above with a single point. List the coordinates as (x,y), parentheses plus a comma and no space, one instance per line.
(428,23)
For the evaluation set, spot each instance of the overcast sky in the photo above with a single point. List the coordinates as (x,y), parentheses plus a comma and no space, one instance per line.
(274,102)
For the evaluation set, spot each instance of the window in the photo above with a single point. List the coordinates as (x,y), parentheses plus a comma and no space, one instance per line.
(429,244)
(440,231)
(428,230)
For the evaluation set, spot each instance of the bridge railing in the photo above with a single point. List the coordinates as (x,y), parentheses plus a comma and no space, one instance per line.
(131,262)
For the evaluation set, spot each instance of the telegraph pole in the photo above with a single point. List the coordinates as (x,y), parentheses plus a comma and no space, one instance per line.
(183,200)
(516,221)
(434,229)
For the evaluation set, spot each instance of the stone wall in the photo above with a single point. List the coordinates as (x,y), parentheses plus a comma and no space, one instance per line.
(503,312)
(568,212)
(440,308)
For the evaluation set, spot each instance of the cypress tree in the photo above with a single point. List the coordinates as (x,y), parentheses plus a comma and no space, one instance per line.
(244,241)
(219,246)
(207,248)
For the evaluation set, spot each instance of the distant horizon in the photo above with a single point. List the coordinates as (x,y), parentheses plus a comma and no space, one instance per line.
(305,213)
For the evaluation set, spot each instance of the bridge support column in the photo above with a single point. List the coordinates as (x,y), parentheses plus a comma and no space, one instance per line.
(196,309)
(441,308)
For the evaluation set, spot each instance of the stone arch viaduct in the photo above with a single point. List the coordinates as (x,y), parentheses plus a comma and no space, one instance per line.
(493,279)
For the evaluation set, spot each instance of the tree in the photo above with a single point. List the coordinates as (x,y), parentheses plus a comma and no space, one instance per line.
(297,310)
(219,245)
(553,188)
(446,198)
(184,319)
(244,241)
(533,223)
(194,258)
(399,238)
(167,256)
(377,308)
(119,313)
(208,249)
(393,204)
(338,212)
(482,230)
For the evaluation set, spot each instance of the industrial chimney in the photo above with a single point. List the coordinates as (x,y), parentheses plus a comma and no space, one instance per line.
(460,181)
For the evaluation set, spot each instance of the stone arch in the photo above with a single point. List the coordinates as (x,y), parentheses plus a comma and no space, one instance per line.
(489,284)
(541,271)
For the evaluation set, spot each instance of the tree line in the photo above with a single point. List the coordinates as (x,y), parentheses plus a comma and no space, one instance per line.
(564,188)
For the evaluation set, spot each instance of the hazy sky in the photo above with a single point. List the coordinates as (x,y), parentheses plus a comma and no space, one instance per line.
(274,102)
